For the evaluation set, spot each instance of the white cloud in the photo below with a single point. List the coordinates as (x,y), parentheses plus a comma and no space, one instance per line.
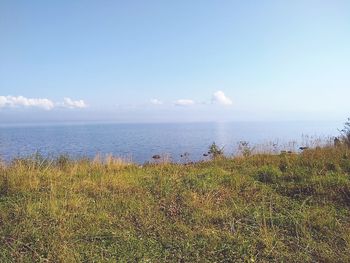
(220,98)
(20,101)
(43,103)
(73,104)
(184,102)
(156,102)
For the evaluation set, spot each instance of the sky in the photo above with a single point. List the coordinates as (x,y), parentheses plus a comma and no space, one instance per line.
(174,61)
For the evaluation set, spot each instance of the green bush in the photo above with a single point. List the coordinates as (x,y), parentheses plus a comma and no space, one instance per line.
(268,174)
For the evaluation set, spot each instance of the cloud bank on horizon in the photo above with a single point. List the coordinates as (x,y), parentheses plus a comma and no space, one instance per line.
(73,104)
(184,102)
(218,97)
(10,101)
(156,102)
(42,103)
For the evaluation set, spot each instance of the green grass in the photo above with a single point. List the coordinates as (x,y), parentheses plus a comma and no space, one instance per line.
(259,208)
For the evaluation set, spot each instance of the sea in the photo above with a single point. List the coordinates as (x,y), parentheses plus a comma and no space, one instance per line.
(178,142)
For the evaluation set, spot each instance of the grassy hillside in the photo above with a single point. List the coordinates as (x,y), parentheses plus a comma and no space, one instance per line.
(260,208)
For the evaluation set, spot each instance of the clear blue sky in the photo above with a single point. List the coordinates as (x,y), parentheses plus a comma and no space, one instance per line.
(133,61)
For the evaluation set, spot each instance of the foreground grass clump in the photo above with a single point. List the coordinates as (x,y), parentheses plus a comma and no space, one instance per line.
(258,208)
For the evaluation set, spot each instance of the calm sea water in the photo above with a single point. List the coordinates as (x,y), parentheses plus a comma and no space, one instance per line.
(141,141)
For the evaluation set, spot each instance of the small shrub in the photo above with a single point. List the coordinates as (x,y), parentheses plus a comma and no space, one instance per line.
(215,151)
(245,148)
(268,174)
(284,164)
(345,133)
